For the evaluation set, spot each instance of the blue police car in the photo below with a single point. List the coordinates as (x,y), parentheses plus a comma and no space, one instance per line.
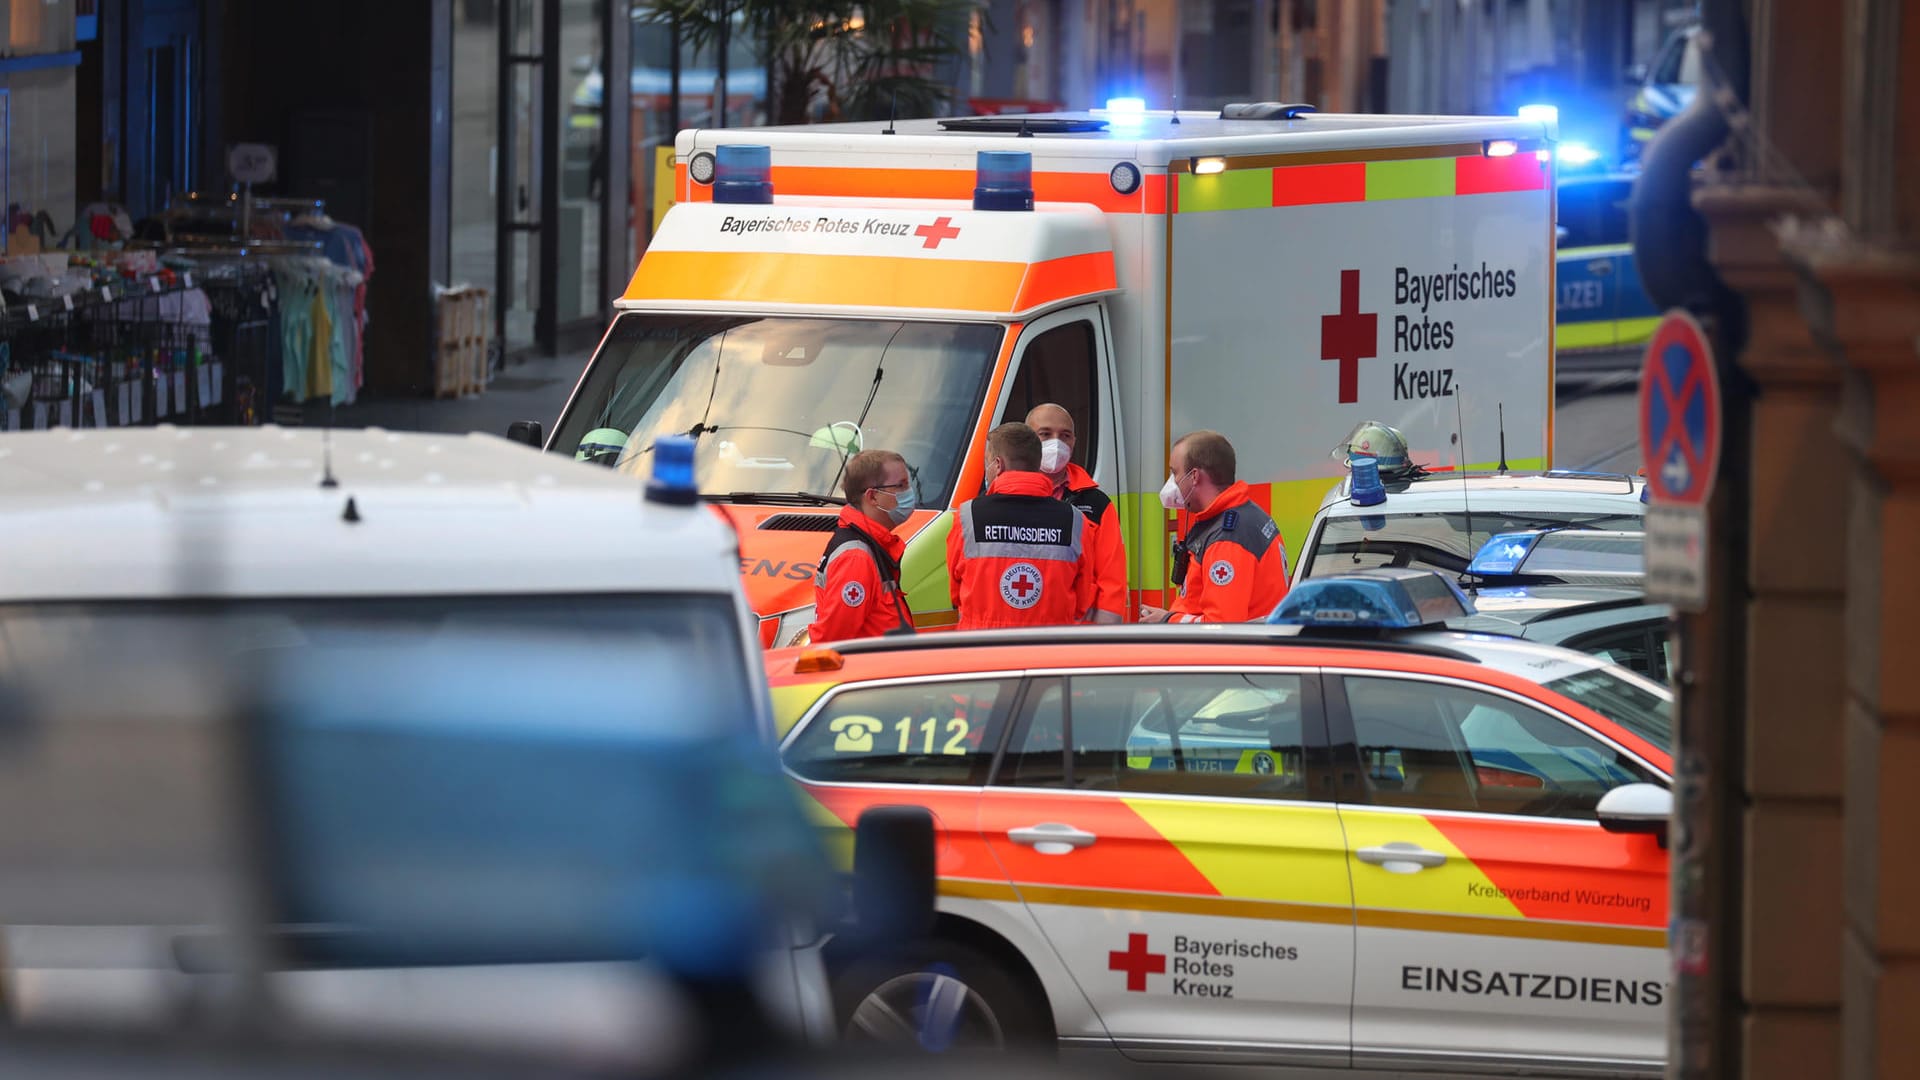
(1600,303)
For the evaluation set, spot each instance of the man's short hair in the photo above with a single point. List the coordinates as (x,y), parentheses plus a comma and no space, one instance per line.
(1211,453)
(866,470)
(1016,443)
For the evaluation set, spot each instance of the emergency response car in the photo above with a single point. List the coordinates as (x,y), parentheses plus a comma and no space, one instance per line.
(344,575)
(1262,271)
(1313,844)
(1441,520)
(1578,588)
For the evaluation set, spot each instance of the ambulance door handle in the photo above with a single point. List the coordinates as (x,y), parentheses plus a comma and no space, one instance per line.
(1401,858)
(1052,838)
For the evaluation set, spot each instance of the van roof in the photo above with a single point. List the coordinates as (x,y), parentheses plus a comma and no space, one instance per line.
(167,512)
(1152,139)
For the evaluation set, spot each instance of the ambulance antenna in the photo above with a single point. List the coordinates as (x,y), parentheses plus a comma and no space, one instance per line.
(893,107)
(1460,448)
(326,451)
(1502,406)
(1176,108)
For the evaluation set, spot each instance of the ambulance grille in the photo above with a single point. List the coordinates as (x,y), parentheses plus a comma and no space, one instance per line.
(801,523)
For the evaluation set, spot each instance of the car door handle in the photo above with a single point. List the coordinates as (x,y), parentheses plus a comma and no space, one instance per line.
(1600,266)
(1401,858)
(1052,837)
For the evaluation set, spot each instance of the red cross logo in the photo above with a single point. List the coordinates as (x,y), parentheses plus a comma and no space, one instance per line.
(1349,337)
(1023,585)
(1137,962)
(941,229)
(1020,585)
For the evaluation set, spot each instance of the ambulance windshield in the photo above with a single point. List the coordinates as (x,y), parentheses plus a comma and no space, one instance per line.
(776,404)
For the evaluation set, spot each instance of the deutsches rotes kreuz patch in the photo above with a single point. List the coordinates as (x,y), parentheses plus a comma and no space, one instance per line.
(853,594)
(1020,585)
(1220,573)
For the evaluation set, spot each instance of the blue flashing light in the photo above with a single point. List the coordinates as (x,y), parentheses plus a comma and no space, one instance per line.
(672,481)
(1129,105)
(1645,490)
(1366,489)
(743,173)
(1576,154)
(1380,599)
(1503,553)
(1003,180)
(1544,114)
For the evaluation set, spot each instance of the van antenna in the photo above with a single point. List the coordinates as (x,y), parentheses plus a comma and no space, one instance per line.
(893,107)
(1460,448)
(1502,406)
(1176,108)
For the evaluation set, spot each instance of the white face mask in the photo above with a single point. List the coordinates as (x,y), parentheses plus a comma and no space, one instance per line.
(1170,496)
(1054,456)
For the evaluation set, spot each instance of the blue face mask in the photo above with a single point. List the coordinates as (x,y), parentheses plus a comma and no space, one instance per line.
(904,504)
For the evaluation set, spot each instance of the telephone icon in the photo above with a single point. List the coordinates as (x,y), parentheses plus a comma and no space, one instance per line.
(854,734)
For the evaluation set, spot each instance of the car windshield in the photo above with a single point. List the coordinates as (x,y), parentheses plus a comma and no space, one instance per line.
(777,404)
(1633,706)
(1442,542)
(696,632)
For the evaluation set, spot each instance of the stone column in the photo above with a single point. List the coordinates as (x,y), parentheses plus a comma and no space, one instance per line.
(1864,306)
(1791,781)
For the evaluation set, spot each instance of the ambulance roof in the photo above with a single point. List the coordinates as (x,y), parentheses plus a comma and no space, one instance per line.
(166,512)
(1152,139)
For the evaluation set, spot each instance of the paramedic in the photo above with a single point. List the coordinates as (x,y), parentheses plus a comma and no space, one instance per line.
(1232,564)
(856,591)
(1071,484)
(1017,555)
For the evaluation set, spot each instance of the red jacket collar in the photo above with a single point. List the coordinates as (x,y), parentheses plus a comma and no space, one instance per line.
(1237,495)
(1075,479)
(888,540)
(1022,483)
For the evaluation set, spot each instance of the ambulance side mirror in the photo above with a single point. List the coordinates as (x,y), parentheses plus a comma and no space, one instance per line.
(530,432)
(1636,808)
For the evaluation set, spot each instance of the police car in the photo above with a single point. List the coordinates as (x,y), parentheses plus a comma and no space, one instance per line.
(443,635)
(1389,512)
(1352,839)
(1600,303)
(1579,589)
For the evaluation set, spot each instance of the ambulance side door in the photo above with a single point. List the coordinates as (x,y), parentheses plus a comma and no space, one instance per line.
(1168,832)
(1064,358)
(1496,922)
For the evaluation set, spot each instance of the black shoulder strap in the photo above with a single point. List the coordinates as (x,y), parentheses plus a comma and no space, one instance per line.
(847,534)
(1091,501)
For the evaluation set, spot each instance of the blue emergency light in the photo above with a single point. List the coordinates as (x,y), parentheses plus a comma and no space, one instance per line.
(672,481)
(1366,489)
(1503,553)
(1134,105)
(1378,599)
(743,173)
(1003,180)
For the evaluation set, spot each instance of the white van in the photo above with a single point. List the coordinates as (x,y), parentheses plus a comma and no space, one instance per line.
(415,728)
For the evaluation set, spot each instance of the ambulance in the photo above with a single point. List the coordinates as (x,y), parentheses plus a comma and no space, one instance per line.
(1268,272)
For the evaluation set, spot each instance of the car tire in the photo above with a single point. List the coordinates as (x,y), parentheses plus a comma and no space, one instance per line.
(939,997)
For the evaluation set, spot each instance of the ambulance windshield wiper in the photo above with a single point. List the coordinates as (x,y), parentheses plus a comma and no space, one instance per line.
(787,498)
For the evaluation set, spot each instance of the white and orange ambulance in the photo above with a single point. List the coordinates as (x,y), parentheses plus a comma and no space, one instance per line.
(1267,272)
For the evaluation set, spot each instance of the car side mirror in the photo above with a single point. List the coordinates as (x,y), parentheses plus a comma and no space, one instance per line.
(530,432)
(1636,73)
(1636,808)
(894,879)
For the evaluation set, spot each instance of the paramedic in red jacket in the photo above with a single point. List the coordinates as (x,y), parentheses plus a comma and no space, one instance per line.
(1016,555)
(1071,484)
(1232,564)
(856,591)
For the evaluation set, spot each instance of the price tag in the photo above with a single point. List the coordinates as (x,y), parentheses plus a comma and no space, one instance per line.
(68,300)
(219,382)
(203,379)
(180,391)
(106,294)
(126,403)
(154,281)
(33,313)
(99,409)
(160,409)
